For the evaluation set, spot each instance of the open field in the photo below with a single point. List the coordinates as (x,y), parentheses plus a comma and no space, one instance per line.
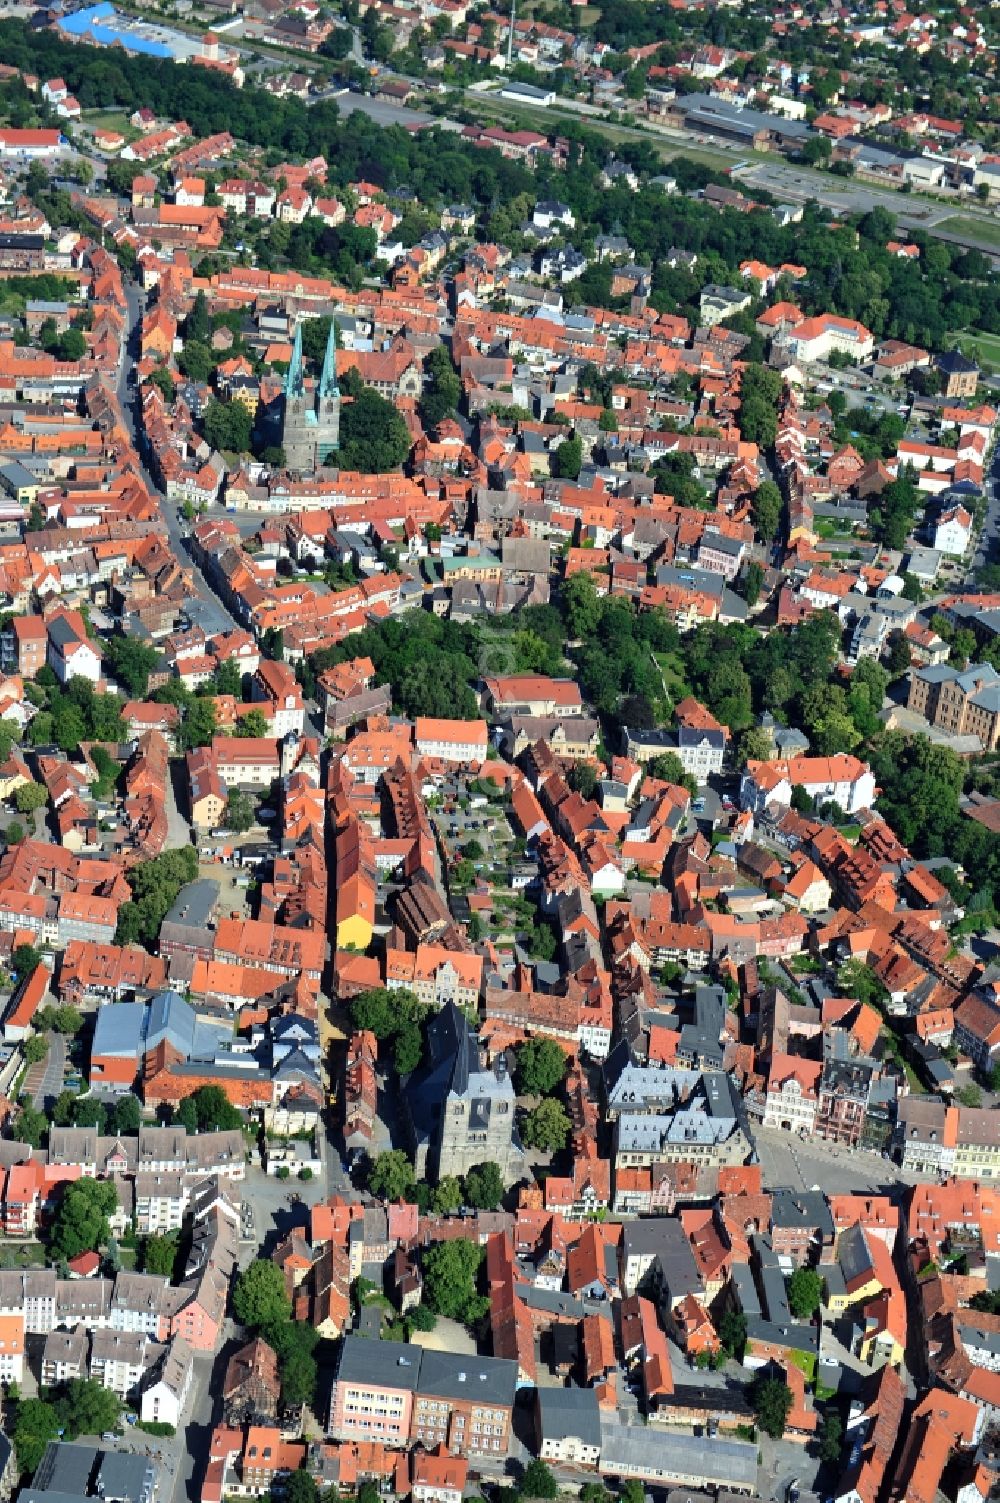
(985,346)
(110,120)
(986,230)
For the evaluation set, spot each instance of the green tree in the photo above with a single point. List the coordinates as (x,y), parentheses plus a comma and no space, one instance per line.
(228,426)
(484,1187)
(771,1400)
(376,1011)
(396,1016)
(969,1095)
(856,979)
(196,360)
(252,725)
(538,1481)
(35,1424)
(540,940)
(373,436)
(131,661)
(986,1300)
(240,814)
(208,1109)
(34,1049)
(391,1177)
(32,1126)
(826,716)
(408,1048)
(874,677)
(547,1127)
(89,1112)
(447,1196)
(272,644)
(71,345)
(583,779)
(754,745)
(733,1333)
(581,606)
(81,1221)
(567,459)
(25,960)
(198,324)
(295,1344)
(760,392)
(541,1066)
(753,579)
(31,796)
(767,508)
(450,1270)
(198,725)
(301,1487)
(163,378)
(89,1408)
(227,679)
(155,884)
(442,388)
(126,1116)
(667,766)
(831,1437)
(259,1298)
(159,1254)
(805,1293)
(65,1020)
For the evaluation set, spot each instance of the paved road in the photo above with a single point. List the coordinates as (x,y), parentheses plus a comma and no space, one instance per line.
(44,1081)
(785,180)
(203,607)
(180,1459)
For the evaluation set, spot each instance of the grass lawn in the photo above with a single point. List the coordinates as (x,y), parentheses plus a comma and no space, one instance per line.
(671,666)
(110,120)
(986,230)
(986,346)
(22,1255)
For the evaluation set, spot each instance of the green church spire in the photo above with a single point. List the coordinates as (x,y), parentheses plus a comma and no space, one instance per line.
(328,380)
(294,385)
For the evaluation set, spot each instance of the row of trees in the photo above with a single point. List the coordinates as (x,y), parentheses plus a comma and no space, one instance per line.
(82,1407)
(392,1178)
(398,1017)
(430,663)
(155,885)
(261,1303)
(72,714)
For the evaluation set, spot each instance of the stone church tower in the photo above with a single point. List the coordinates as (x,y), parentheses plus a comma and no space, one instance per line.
(310,428)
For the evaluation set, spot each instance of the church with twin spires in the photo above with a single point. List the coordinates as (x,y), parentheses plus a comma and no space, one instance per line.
(310,419)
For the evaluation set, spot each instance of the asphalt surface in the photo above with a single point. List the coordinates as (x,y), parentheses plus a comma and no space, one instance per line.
(204,607)
(44,1081)
(788,182)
